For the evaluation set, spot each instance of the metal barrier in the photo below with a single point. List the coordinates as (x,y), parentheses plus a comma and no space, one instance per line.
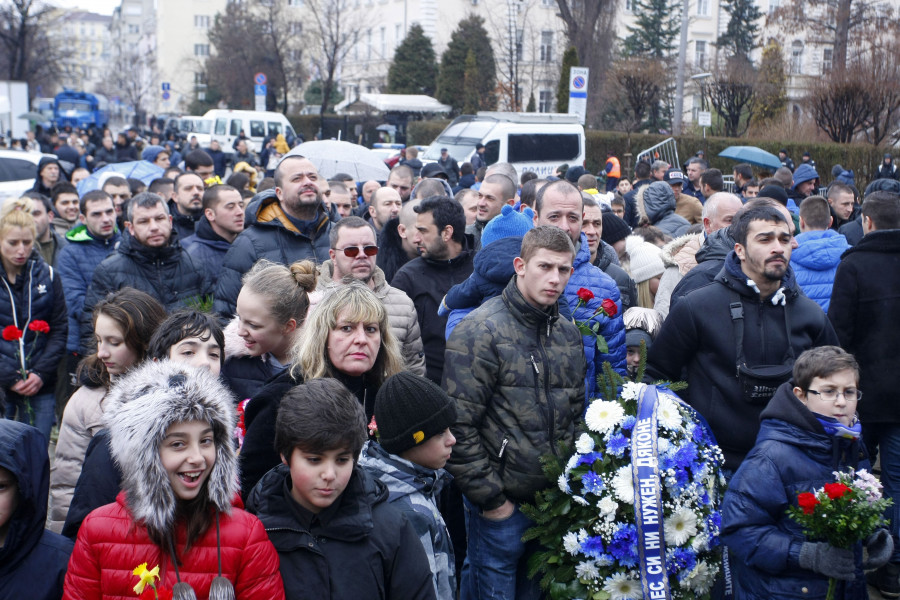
(666,150)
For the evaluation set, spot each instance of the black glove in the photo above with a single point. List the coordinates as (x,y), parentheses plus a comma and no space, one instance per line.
(827,560)
(878,549)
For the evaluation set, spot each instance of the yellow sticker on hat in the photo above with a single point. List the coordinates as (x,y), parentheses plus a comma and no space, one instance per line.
(419,436)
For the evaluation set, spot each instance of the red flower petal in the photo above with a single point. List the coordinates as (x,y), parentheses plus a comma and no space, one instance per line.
(609,307)
(585,294)
(836,490)
(11,333)
(39,326)
(807,502)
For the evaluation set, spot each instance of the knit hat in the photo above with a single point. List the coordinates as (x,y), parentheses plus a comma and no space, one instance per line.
(409,410)
(836,170)
(775,192)
(151,152)
(614,228)
(573,173)
(509,223)
(646,259)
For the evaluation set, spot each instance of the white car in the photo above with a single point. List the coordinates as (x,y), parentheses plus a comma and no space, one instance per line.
(17,172)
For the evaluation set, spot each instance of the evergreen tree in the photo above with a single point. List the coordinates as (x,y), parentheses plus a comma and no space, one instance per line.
(472,101)
(655,29)
(470,34)
(740,36)
(414,68)
(771,97)
(532,105)
(569,60)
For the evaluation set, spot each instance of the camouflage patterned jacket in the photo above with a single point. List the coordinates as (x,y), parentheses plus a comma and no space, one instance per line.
(412,489)
(517,374)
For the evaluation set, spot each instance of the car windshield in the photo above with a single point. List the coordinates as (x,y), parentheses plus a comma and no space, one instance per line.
(459,149)
(77,106)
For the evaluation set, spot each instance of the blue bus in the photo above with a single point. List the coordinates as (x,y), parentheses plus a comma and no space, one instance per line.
(80,110)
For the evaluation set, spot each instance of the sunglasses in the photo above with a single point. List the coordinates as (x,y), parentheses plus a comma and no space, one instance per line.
(353,251)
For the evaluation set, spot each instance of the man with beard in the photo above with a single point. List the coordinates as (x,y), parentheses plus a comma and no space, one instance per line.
(284,224)
(753,319)
(353,252)
(187,206)
(444,260)
(222,222)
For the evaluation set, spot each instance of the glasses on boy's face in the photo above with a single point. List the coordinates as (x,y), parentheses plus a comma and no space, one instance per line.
(832,395)
(352,251)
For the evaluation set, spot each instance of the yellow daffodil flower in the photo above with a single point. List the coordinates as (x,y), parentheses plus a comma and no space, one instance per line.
(147,577)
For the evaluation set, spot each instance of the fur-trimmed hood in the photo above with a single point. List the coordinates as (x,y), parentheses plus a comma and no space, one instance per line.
(681,252)
(141,407)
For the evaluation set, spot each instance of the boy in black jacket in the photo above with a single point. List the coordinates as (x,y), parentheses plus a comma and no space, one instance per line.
(324,514)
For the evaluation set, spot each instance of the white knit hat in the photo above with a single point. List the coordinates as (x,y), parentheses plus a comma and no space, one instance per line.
(646,259)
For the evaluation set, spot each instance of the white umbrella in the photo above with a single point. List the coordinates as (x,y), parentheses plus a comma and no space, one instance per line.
(332,157)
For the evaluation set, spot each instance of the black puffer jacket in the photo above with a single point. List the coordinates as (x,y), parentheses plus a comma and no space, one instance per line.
(168,274)
(208,248)
(37,294)
(359,547)
(698,336)
(184,225)
(268,233)
(426,282)
(517,375)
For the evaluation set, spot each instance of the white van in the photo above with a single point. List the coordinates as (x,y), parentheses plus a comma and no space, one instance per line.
(257,125)
(538,142)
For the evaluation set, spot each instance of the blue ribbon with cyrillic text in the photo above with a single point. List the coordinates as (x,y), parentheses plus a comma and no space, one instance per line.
(648,508)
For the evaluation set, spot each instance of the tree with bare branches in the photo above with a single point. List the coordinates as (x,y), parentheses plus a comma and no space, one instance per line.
(131,78)
(841,105)
(731,93)
(337,27)
(637,85)
(28,50)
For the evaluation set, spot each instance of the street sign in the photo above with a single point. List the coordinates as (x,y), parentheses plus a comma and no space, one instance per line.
(578,84)
(166,86)
(259,79)
(704,118)
(166,95)
(259,90)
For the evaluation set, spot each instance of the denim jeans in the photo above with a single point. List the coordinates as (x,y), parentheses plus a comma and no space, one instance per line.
(43,405)
(886,437)
(495,566)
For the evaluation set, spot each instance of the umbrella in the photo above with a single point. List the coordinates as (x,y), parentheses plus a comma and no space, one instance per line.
(753,155)
(332,157)
(144,170)
(32,116)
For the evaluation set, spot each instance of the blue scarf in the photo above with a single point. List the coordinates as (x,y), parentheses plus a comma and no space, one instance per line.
(835,428)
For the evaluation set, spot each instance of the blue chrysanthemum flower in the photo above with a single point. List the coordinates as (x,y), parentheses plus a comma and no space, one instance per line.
(589,458)
(617,444)
(700,435)
(680,562)
(686,455)
(623,546)
(628,423)
(592,483)
(666,462)
(593,546)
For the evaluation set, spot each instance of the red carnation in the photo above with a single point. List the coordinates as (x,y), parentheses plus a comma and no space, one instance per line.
(39,326)
(807,502)
(11,333)
(609,307)
(585,295)
(836,490)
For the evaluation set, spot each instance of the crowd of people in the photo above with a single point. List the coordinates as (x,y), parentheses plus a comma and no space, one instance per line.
(260,382)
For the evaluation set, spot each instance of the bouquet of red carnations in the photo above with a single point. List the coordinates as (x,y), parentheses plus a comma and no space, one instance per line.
(843,512)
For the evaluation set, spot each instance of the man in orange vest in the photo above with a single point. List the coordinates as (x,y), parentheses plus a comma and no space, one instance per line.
(613,172)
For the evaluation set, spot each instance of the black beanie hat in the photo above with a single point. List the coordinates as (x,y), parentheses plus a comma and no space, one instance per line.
(409,410)
(614,228)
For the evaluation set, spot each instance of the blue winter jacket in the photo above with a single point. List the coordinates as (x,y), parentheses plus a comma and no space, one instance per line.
(33,560)
(815,262)
(207,248)
(37,294)
(793,454)
(76,263)
(586,275)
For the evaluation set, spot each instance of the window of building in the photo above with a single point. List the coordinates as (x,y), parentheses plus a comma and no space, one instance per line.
(200,79)
(797,58)
(295,2)
(201,21)
(700,54)
(201,49)
(368,44)
(546,46)
(398,33)
(295,28)
(774,5)
(355,45)
(703,8)
(383,41)
(519,45)
(548,3)
(545,103)
(201,95)
(827,59)
(135,29)
(629,5)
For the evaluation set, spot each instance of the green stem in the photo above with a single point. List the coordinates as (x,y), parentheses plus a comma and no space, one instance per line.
(832,584)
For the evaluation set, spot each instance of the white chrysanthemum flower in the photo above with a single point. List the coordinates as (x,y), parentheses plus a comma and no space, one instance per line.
(580,500)
(571,543)
(584,444)
(602,416)
(662,445)
(620,587)
(587,570)
(700,578)
(630,390)
(667,414)
(700,543)
(607,506)
(582,535)
(623,485)
(680,527)
(573,460)
(563,483)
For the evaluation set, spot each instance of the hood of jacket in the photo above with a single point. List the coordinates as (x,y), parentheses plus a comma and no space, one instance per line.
(23,452)
(658,200)
(682,251)
(582,254)
(606,255)
(267,211)
(81,235)
(734,278)
(819,250)
(49,160)
(206,233)
(716,246)
(140,408)
(402,477)
(494,261)
(803,174)
(189,221)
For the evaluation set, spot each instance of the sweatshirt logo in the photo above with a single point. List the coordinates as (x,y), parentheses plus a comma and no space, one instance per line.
(41,289)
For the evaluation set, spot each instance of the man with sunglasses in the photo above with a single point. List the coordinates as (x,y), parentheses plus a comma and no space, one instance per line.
(353,251)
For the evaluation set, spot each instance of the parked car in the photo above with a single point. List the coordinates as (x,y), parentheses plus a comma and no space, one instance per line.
(17,172)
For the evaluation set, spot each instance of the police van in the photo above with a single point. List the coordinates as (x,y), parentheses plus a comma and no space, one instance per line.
(257,125)
(538,142)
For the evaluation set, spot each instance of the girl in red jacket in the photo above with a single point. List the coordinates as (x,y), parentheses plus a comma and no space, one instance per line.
(171,429)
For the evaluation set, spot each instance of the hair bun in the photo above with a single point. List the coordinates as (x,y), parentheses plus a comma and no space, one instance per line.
(305,274)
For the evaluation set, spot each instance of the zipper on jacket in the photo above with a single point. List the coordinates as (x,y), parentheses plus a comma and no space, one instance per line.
(501,455)
(551,412)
